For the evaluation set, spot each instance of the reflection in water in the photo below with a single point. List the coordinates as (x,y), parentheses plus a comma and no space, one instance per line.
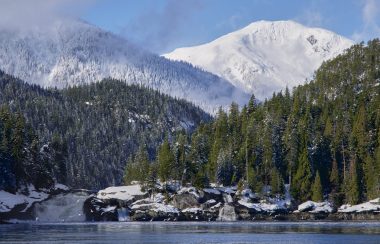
(185,232)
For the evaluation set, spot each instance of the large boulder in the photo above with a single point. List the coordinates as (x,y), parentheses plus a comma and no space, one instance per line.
(187,197)
(112,203)
(208,194)
(96,209)
(185,200)
(125,195)
(315,207)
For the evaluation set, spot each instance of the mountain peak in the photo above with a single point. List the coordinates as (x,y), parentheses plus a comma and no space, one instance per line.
(266,56)
(72,52)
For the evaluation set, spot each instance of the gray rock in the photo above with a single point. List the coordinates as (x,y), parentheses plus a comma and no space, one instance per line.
(185,200)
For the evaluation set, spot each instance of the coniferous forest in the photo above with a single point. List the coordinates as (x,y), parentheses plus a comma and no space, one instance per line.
(90,130)
(323,139)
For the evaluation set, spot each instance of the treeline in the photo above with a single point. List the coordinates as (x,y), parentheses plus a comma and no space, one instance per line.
(22,159)
(323,139)
(101,124)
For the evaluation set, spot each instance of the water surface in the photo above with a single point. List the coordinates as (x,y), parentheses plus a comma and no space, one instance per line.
(191,232)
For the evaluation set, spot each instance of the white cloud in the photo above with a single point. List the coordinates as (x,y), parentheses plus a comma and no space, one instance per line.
(157,28)
(32,13)
(371,21)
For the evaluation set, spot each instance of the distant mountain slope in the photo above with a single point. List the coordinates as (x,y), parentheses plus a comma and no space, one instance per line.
(72,52)
(102,123)
(266,56)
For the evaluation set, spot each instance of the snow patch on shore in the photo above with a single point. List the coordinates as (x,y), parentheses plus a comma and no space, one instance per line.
(263,206)
(125,193)
(9,200)
(370,206)
(315,207)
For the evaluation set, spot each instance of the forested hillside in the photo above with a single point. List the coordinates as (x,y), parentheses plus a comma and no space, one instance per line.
(323,139)
(99,125)
(22,159)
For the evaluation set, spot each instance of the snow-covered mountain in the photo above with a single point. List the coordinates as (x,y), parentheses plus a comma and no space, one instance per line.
(72,52)
(266,56)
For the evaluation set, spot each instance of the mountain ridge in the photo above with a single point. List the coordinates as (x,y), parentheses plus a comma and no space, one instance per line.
(73,52)
(265,56)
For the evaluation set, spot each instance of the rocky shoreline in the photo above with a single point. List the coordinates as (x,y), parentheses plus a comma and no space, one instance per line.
(175,203)
(213,204)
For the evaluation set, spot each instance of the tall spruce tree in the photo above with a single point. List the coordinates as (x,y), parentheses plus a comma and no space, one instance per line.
(301,184)
(165,161)
(352,183)
(317,190)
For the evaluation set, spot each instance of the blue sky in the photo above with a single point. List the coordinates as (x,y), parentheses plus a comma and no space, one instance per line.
(162,25)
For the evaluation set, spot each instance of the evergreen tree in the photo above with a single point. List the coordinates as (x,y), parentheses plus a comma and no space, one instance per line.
(277,183)
(224,171)
(352,184)
(334,176)
(142,163)
(130,171)
(165,161)
(371,178)
(302,179)
(317,190)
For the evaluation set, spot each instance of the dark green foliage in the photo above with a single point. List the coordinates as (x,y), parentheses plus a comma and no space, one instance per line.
(276,183)
(165,159)
(224,172)
(138,167)
(352,189)
(100,125)
(322,139)
(317,190)
(22,161)
(301,184)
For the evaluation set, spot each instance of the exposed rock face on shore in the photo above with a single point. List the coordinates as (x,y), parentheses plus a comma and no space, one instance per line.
(184,204)
(130,203)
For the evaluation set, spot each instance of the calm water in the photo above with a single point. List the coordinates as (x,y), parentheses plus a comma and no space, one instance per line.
(184,232)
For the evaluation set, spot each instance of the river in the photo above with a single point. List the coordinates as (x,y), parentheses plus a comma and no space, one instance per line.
(192,232)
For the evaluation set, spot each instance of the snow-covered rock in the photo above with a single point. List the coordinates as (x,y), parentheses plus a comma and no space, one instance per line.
(156,207)
(130,203)
(124,193)
(266,56)
(370,206)
(185,200)
(61,187)
(264,206)
(190,190)
(8,201)
(192,210)
(212,191)
(315,207)
(71,52)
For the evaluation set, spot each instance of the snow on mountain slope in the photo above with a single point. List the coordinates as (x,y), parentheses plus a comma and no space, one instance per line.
(266,56)
(72,52)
